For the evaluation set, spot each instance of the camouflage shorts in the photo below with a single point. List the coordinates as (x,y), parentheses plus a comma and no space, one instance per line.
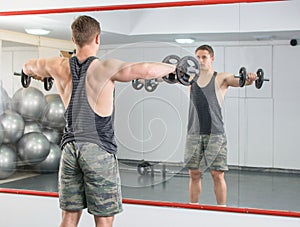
(206,152)
(89,178)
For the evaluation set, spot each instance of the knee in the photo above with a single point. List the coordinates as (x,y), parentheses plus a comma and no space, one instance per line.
(70,218)
(104,221)
(195,175)
(217,176)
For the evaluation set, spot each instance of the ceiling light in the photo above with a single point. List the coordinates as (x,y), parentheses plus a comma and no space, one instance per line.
(184,41)
(37,31)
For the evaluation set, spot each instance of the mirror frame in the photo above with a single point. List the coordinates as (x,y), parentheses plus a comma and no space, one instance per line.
(170,204)
(147,6)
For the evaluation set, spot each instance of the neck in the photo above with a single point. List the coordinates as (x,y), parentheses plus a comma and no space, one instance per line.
(206,72)
(85,52)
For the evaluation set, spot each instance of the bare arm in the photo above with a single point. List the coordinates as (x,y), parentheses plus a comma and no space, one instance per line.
(45,67)
(228,79)
(125,72)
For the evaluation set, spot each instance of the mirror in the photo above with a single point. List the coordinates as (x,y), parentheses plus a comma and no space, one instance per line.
(261,124)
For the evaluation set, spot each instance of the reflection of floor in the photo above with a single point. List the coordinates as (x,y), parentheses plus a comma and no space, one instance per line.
(18,176)
(278,191)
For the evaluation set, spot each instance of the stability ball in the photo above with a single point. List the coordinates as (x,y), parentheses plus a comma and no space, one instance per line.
(8,161)
(13,126)
(53,135)
(51,163)
(4,100)
(53,114)
(33,148)
(29,102)
(32,126)
(1,134)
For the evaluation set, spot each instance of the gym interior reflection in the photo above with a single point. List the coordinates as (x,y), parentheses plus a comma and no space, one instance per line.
(261,125)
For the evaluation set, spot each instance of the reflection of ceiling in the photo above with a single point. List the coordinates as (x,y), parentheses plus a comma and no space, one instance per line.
(166,24)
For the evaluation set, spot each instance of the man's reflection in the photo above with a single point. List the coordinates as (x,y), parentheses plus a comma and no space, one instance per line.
(206,142)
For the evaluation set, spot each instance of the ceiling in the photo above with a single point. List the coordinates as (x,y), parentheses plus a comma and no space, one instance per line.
(118,27)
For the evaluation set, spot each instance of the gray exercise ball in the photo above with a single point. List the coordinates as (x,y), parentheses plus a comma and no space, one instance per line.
(1,134)
(8,161)
(32,126)
(51,163)
(13,126)
(33,148)
(53,135)
(4,100)
(29,102)
(53,114)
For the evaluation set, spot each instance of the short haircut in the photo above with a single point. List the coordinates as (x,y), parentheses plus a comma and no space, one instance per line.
(84,29)
(207,48)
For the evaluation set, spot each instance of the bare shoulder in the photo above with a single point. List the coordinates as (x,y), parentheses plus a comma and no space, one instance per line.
(110,62)
(222,76)
(226,79)
(55,63)
(108,68)
(58,66)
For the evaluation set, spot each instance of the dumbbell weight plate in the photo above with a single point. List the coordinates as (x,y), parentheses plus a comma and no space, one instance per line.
(48,83)
(151,85)
(137,84)
(25,80)
(242,76)
(188,70)
(171,59)
(260,78)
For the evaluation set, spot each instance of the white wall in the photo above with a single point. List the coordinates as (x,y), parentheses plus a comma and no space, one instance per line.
(44,211)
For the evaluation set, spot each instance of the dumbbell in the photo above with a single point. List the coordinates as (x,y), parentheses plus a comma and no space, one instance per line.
(144,168)
(26,80)
(187,70)
(151,85)
(260,79)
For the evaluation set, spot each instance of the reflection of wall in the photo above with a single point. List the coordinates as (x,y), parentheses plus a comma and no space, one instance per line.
(12,61)
(249,112)
(254,119)
(286,106)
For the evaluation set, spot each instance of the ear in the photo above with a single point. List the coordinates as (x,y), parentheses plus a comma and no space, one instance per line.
(97,39)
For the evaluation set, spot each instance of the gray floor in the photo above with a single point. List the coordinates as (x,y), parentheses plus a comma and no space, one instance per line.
(246,188)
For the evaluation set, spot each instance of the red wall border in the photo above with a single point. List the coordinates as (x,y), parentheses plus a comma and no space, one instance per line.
(170,204)
(129,6)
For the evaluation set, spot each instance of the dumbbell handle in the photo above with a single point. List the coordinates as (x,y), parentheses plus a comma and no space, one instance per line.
(238,76)
(25,80)
(17,74)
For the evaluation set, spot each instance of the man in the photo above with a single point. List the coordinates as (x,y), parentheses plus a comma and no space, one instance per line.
(206,144)
(88,175)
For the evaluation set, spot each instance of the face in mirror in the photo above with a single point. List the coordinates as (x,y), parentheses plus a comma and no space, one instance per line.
(163,154)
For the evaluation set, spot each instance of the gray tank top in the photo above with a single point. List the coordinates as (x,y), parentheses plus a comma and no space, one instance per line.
(82,123)
(205,113)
